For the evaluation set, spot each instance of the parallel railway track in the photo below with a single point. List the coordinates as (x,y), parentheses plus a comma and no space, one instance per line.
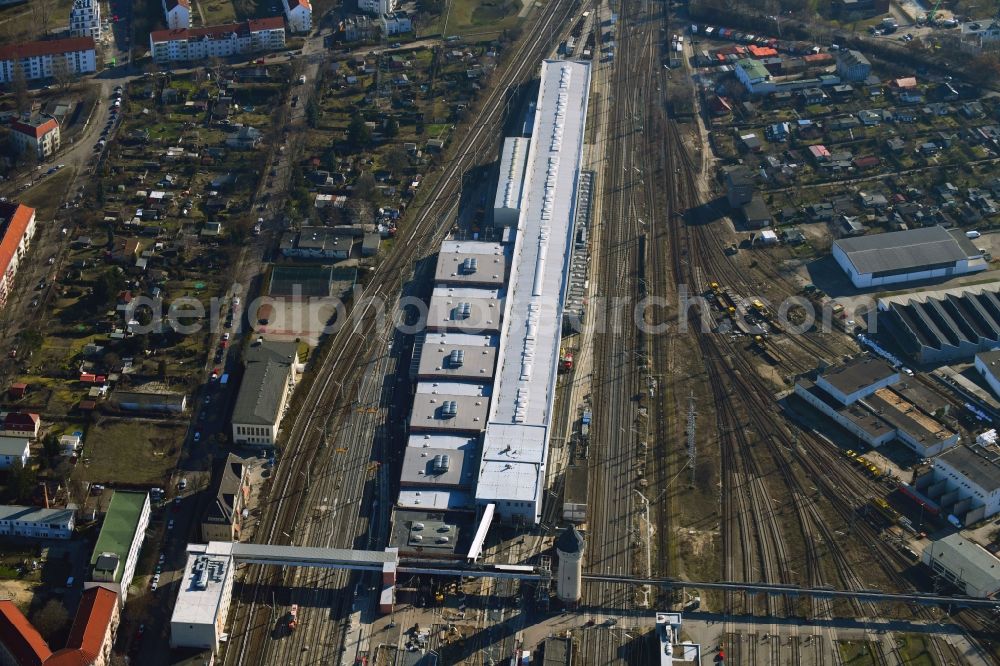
(340,357)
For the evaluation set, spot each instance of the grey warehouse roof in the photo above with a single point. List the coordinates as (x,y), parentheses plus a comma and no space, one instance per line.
(267,370)
(452,361)
(904,250)
(430,412)
(35,514)
(512,161)
(482,315)
(858,373)
(436,468)
(976,464)
(947,318)
(973,563)
(471,263)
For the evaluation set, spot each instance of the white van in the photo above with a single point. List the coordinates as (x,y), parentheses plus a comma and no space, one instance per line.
(972,234)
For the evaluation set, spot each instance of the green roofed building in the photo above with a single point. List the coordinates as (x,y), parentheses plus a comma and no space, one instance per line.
(754,76)
(117,550)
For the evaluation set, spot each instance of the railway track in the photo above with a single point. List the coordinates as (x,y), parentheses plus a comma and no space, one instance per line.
(683,254)
(327,397)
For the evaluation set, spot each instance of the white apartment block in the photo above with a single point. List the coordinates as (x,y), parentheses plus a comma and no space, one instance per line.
(217,41)
(396,23)
(377,7)
(40,136)
(36,523)
(36,58)
(299,15)
(177,13)
(85,19)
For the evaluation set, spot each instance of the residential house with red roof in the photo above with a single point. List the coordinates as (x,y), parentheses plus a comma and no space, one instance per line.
(17,226)
(299,15)
(21,424)
(217,41)
(177,13)
(37,59)
(39,137)
(90,638)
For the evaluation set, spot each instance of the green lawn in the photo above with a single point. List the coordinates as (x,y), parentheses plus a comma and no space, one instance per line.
(476,17)
(216,12)
(129,452)
(915,650)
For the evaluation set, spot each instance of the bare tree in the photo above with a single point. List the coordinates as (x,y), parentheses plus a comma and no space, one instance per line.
(62,74)
(51,619)
(364,187)
(41,16)
(397,161)
(19,83)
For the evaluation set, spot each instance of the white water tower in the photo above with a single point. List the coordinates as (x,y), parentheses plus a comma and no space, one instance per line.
(569,548)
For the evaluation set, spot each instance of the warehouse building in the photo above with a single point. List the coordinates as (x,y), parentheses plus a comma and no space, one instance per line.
(907,256)
(437,468)
(267,385)
(507,205)
(988,366)
(965,482)
(465,310)
(943,326)
(515,447)
(866,397)
(487,363)
(455,356)
(471,264)
(450,407)
(117,549)
(199,616)
(966,565)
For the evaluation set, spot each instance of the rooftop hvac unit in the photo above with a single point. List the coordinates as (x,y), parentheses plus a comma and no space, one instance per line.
(441,463)
(449,409)
(463,310)
(456,358)
(201,580)
(470,265)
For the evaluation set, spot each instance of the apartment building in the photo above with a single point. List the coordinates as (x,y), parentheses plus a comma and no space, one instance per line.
(39,137)
(37,59)
(299,15)
(177,13)
(85,19)
(218,41)
(17,226)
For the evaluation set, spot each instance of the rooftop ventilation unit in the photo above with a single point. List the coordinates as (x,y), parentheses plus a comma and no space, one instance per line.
(456,359)
(469,265)
(441,463)
(463,311)
(449,409)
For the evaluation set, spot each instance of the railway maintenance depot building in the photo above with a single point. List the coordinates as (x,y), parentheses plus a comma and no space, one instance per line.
(907,256)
